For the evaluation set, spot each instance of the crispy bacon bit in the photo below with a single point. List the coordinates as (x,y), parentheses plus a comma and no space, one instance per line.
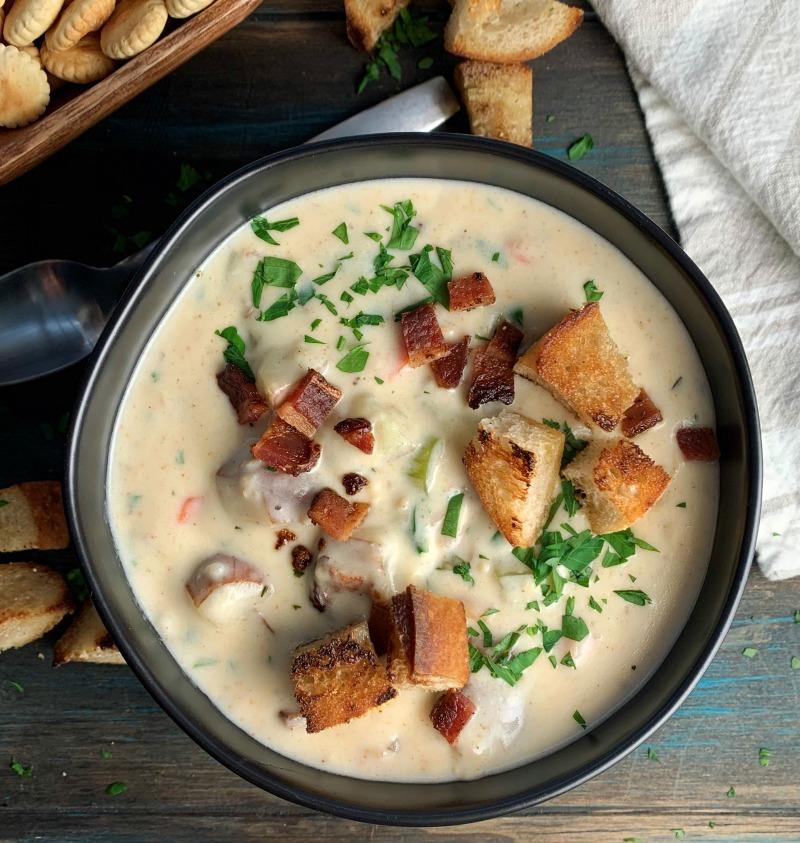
(309,403)
(640,416)
(248,402)
(422,336)
(282,537)
(353,483)
(336,515)
(698,444)
(301,559)
(451,713)
(380,627)
(493,369)
(470,291)
(449,369)
(285,449)
(357,432)
(318,598)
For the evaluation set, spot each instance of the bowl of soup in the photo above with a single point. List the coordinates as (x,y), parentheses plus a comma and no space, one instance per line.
(417,477)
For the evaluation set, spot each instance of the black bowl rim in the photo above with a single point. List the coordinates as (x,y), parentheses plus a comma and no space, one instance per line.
(450,816)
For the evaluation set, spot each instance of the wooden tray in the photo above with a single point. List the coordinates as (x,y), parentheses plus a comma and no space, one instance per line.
(75,109)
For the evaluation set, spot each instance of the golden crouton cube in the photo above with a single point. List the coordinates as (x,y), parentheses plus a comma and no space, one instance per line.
(619,481)
(581,365)
(32,517)
(86,640)
(513,463)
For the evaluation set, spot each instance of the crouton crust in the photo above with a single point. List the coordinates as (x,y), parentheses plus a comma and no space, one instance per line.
(470,291)
(513,464)
(33,599)
(32,517)
(427,644)
(367,20)
(336,515)
(499,102)
(619,481)
(86,640)
(422,336)
(339,677)
(580,364)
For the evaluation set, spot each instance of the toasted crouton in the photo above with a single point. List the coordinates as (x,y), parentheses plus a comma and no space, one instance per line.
(367,20)
(337,516)
(513,463)
(339,677)
(33,599)
(579,362)
(427,641)
(86,640)
(620,483)
(499,100)
(508,30)
(32,517)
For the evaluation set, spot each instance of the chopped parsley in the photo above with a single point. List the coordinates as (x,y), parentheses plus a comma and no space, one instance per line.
(750,652)
(571,503)
(326,303)
(341,232)
(116,788)
(326,276)
(731,792)
(315,324)
(652,755)
(261,227)
(16,686)
(373,235)
(204,662)
(425,64)
(77,582)
(434,278)
(273,272)
(346,297)
(572,445)
(180,458)
(795,662)
(593,604)
(498,659)
(340,343)
(359,321)
(496,257)
(591,292)
(354,361)
(573,628)
(379,381)
(679,833)
(234,351)
(18,768)
(797,616)
(314,340)
(516,316)
(105,754)
(403,235)
(450,523)
(578,718)
(764,755)
(580,148)
(568,661)
(462,569)
(636,596)
(489,612)
(534,604)
(282,306)
(553,661)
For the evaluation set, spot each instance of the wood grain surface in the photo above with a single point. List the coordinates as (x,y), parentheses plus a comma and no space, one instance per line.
(278,78)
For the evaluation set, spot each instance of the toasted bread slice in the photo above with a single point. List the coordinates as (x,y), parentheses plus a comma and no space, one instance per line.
(86,640)
(339,677)
(579,362)
(508,30)
(367,20)
(620,483)
(499,100)
(428,641)
(513,463)
(32,517)
(33,599)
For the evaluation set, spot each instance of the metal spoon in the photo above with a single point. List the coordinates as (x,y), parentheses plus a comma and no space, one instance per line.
(52,312)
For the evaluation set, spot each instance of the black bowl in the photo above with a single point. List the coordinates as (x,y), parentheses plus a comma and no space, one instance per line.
(277,178)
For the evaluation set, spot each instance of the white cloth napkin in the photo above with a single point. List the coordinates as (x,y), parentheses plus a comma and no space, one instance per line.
(719,84)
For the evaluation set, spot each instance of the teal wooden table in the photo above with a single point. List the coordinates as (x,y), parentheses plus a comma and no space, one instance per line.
(282,76)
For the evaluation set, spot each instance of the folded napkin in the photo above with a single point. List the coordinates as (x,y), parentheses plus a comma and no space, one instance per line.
(719,84)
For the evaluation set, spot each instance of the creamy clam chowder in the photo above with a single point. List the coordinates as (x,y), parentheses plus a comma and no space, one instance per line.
(185,488)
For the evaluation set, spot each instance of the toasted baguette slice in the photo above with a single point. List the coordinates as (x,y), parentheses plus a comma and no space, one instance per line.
(367,20)
(579,362)
(32,517)
(508,30)
(513,463)
(620,483)
(33,599)
(339,677)
(86,640)
(499,100)
(427,641)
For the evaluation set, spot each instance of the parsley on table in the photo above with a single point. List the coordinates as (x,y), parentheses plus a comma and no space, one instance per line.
(652,755)
(462,569)
(105,754)
(16,686)
(764,755)
(261,227)
(116,788)
(679,833)
(451,516)
(234,351)
(580,148)
(77,582)
(341,232)
(3,503)
(795,662)
(354,361)
(591,292)
(750,652)
(635,596)
(731,792)
(18,768)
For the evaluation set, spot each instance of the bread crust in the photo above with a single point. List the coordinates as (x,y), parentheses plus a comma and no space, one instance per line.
(33,517)
(86,640)
(580,364)
(620,483)
(367,20)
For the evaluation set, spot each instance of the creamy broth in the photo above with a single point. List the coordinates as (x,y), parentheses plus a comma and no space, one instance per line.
(176,429)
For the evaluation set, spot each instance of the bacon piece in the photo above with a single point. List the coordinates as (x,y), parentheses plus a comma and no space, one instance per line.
(337,516)
(493,369)
(451,713)
(422,336)
(282,537)
(248,402)
(301,559)
(449,369)
(357,432)
(640,416)
(353,483)
(309,403)
(698,444)
(380,626)
(470,291)
(285,449)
